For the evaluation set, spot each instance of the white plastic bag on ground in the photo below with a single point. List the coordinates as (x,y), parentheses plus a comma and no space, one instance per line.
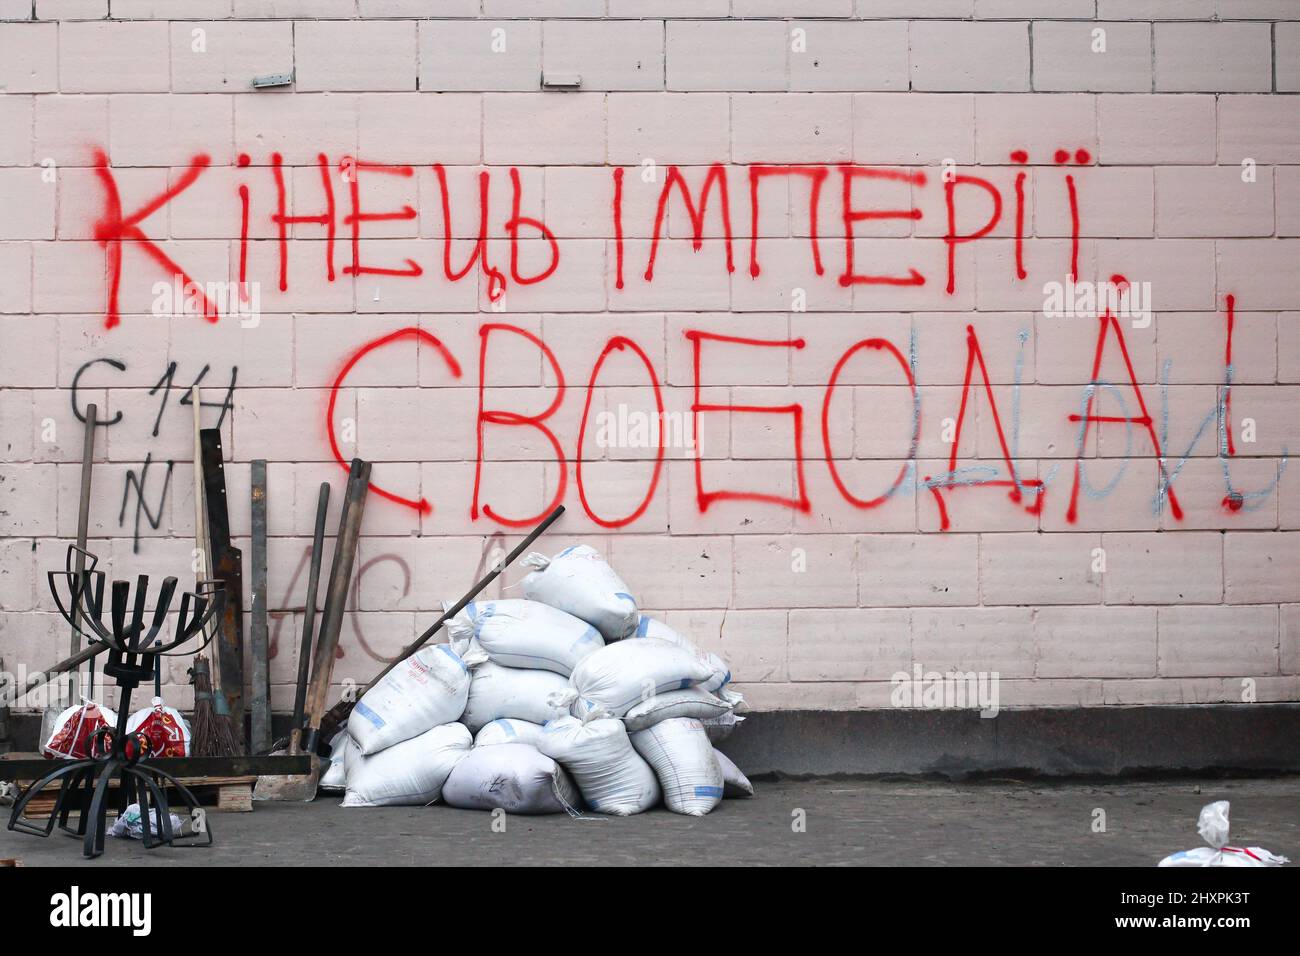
(335,777)
(682,758)
(496,691)
(653,627)
(690,702)
(619,676)
(426,690)
(508,730)
(734,782)
(580,582)
(612,776)
(516,778)
(519,633)
(130,824)
(411,773)
(1213,827)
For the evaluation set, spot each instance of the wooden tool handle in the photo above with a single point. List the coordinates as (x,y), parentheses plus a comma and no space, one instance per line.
(345,549)
(309,609)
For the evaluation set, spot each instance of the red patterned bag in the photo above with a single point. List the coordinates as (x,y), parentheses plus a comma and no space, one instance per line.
(73,728)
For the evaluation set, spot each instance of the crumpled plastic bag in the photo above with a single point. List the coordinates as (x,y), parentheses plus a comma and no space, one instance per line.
(1213,828)
(131,823)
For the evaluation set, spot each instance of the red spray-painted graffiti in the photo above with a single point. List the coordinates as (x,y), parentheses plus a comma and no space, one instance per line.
(117,232)
(113,228)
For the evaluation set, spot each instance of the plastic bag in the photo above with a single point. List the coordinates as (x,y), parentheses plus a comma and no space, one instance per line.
(410,773)
(508,730)
(167,730)
(691,702)
(619,676)
(580,582)
(73,727)
(734,783)
(682,758)
(612,776)
(1213,828)
(653,627)
(334,778)
(516,778)
(518,633)
(426,690)
(496,691)
(130,823)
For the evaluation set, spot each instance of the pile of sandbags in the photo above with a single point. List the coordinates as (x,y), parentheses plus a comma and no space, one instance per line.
(564,700)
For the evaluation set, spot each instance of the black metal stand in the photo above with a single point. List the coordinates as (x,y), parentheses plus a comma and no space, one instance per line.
(113,754)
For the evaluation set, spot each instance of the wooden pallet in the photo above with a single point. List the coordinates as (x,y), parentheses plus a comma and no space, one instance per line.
(232,794)
(223,794)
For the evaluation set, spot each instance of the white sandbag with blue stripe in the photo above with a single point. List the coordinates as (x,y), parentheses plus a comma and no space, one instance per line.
(653,627)
(734,782)
(532,695)
(578,581)
(619,676)
(520,633)
(508,730)
(408,774)
(515,778)
(684,761)
(691,702)
(334,778)
(612,776)
(427,689)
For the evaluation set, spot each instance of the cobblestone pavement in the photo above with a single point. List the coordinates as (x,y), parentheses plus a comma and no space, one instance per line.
(848,821)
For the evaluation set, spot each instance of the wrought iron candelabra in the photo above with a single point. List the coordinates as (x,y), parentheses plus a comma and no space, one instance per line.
(133,644)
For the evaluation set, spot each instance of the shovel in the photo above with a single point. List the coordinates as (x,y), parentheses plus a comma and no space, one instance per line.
(53,710)
(302,788)
(269,787)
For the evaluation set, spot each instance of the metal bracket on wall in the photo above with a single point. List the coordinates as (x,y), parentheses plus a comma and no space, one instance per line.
(272,79)
(561,81)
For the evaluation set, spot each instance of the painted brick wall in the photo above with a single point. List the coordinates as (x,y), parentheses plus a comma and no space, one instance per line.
(1101,508)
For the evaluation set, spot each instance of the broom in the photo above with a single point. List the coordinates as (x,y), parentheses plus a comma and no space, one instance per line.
(217,738)
(213,736)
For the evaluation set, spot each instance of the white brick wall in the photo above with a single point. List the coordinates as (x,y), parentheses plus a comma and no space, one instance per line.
(1106,576)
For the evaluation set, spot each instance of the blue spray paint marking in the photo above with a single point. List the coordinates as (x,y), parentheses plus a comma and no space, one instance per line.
(1248,500)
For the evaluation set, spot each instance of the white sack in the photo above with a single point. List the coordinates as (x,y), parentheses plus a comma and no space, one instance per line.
(1213,828)
(496,691)
(734,782)
(690,702)
(579,582)
(530,634)
(719,728)
(411,773)
(619,676)
(335,777)
(653,627)
(613,778)
(682,758)
(508,730)
(516,778)
(427,689)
